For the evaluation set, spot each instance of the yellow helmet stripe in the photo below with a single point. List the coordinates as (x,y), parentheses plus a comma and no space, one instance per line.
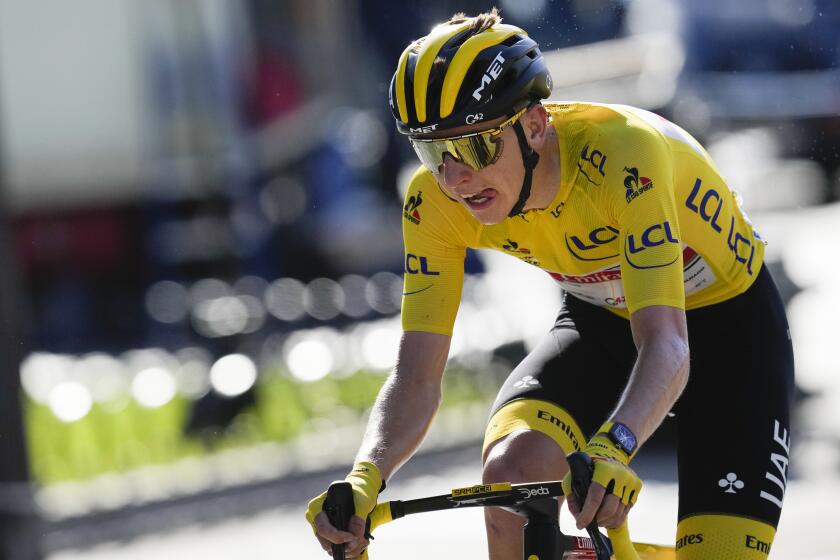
(426,58)
(464,58)
(400,85)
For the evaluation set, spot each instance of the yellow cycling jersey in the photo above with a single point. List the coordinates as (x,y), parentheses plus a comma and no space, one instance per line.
(642,217)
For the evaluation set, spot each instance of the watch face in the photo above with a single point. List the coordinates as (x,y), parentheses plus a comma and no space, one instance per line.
(624,437)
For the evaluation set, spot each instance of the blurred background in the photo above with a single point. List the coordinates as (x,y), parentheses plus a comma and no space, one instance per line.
(200,210)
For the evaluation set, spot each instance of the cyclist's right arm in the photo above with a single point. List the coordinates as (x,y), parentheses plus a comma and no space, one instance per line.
(407,402)
(436,234)
(398,422)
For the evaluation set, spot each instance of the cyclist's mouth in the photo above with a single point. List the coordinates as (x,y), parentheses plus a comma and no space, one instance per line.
(480,200)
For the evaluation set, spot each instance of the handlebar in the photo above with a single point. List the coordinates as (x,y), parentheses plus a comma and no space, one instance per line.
(513,497)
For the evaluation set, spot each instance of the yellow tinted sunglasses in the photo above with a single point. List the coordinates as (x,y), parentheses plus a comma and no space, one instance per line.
(477,149)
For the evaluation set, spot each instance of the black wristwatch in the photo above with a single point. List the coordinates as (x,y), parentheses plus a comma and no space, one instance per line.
(623,437)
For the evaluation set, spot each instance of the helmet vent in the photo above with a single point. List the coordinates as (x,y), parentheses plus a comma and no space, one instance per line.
(459,39)
(512,40)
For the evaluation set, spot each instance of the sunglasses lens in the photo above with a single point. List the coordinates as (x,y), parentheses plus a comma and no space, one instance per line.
(430,154)
(477,151)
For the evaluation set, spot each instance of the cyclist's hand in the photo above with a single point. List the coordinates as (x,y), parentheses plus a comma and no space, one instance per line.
(366,482)
(614,487)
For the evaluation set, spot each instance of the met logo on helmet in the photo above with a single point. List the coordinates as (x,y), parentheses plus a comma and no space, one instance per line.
(490,74)
(423,129)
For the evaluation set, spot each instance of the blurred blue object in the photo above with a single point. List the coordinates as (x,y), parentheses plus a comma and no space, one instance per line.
(759,59)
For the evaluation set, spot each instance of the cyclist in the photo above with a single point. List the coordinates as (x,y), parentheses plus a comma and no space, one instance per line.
(655,256)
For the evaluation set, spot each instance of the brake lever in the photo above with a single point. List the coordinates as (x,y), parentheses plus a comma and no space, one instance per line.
(339,508)
(580,465)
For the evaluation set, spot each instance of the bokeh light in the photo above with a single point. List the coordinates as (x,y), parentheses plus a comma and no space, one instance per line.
(380,345)
(384,292)
(41,372)
(70,401)
(283,200)
(233,374)
(105,376)
(360,137)
(208,289)
(355,303)
(166,302)
(192,377)
(284,299)
(308,359)
(153,387)
(222,316)
(323,299)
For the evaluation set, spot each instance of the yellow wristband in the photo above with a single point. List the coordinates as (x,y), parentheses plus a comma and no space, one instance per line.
(602,445)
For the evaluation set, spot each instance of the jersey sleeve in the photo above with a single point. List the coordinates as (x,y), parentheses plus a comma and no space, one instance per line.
(435,235)
(640,200)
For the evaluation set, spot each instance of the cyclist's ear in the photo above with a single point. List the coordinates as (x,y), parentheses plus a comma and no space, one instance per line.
(536,125)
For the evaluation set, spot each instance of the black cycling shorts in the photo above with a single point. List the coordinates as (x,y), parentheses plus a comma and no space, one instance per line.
(732,420)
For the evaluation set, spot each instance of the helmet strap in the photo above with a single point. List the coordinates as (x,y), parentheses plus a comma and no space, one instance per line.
(530,159)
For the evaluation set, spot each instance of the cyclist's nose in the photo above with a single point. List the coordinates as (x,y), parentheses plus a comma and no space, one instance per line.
(454,173)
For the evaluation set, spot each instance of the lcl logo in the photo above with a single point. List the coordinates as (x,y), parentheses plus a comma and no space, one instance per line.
(652,237)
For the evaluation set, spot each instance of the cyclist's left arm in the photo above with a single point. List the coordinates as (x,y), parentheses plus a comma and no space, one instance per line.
(661,370)
(658,377)
(657,380)
(641,203)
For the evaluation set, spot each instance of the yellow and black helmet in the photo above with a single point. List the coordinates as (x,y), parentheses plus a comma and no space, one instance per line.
(459,75)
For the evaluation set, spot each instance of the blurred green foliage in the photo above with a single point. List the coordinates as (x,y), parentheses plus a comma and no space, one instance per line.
(123,435)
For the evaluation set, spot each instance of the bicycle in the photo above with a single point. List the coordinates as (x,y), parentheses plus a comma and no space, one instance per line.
(536,501)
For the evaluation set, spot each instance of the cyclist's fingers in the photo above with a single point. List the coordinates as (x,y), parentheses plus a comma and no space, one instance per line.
(619,519)
(350,550)
(610,509)
(356,551)
(614,519)
(357,528)
(327,546)
(574,507)
(325,531)
(590,507)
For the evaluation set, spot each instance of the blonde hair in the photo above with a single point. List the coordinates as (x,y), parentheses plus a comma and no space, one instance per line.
(481,22)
